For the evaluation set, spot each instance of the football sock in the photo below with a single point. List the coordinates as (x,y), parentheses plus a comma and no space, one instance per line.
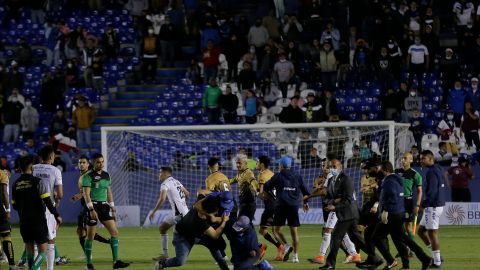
(164,242)
(268,236)
(101,239)
(57,254)
(88,250)
(81,239)
(325,243)
(29,258)
(437,259)
(429,247)
(50,256)
(114,246)
(8,249)
(24,255)
(349,245)
(410,235)
(38,261)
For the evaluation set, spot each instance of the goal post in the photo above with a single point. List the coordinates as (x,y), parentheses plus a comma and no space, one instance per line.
(134,154)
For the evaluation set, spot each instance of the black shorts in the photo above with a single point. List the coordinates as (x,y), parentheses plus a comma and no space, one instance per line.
(267,216)
(409,217)
(247,209)
(34,233)
(286,213)
(103,213)
(4,224)
(82,218)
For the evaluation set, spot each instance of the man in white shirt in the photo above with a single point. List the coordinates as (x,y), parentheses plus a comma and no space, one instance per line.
(463,11)
(417,61)
(52,178)
(176,193)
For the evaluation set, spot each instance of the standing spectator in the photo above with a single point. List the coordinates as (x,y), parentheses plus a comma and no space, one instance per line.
(52,37)
(209,35)
(82,119)
(97,73)
(193,72)
(168,40)
(383,67)
(247,77)
(463,13)
(251,107)
(210,61)
(156,19)
(473,95)
(460,177)
(149,50)
(266,65)
(417,61)
(292,53)
(136,7)
(251,57)
(449,68)
(332,35)
(29,120)
(59,123)
(417,127)
(24,53)
(52,91)
(395,54)
(37,13)
(292,29)
(432,42)
(312,109)
(343,58)
(329,105)
(210,101)
(258,35)
(456,101)
(88,55)
(290,188)
(11,119)
(390,105)
(232,52)
(272,25)
(328,66)
(304,146)
(292,113)
(469,126)
(312,160)
(361,60)
(412,103)
(284,72)
(15,78)
(72,74)
(229,104)
(16,96)
(110,42)
(443,157)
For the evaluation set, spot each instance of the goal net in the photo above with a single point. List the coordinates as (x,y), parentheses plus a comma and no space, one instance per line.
(134,155)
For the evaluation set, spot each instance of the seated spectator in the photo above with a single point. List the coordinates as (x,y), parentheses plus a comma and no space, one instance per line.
(412,103)
(11,119)
(456,101)
(59,163)
(469,126)
(4,164)
(329,105)
(446,130)
(459,177)
(29,120)
(355,161)
(312,160)
(312,109)
(292,113)
(193,72)
(229,104)
(416,156)
(247,77)
(30,147)
(251,107)
(417,127)
(131,164)
(270,93)
(251,57)
(283,72)
(443,157)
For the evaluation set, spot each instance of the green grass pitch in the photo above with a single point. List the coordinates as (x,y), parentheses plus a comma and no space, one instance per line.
(460,247)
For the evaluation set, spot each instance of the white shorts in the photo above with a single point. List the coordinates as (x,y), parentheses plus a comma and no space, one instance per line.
(331,220)
(172,220)
(431,217)
(51,224)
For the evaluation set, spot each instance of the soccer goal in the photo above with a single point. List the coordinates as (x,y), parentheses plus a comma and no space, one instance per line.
(134,155)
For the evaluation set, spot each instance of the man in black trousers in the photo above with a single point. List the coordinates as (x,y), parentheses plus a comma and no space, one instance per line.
(346,209)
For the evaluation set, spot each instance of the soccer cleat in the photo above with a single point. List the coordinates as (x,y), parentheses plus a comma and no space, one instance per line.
(427,263)
(3,258)
(317,259)
(62,260)
(390,266)
(356,259)
(89,266)
(119,264)
(288,250)
(262,250)
(295,259)
(369,265)
(22,263)
(327,267)
(280,253)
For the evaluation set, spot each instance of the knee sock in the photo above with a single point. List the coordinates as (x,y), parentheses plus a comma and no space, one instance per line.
(50,256)
(57,254)
(88,250)
(164,242)
(30,260)
(268,236)
(38,261)
(437,259)
(81,239)
(24,255)
(101,239)
(114,246)
(325,243)
(410,235)
(349,245)
(8,249)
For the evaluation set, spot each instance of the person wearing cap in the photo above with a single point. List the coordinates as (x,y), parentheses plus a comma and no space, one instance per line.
(459,178)
(289,187)
(473,95)
(244,245)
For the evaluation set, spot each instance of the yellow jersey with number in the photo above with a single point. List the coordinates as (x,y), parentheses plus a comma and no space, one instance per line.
(217,181)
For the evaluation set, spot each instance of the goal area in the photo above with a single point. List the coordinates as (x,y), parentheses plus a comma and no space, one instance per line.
(134,155)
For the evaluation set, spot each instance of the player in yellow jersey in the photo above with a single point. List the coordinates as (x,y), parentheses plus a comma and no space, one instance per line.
(248,187)
(216,181)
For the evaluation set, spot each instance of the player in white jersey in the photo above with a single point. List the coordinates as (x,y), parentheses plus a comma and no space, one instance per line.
(176,193)
(52,177)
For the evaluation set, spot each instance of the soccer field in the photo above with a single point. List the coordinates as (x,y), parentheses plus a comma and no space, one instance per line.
(459,248)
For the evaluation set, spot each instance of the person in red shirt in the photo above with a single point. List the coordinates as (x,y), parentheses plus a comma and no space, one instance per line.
(210,61)
(459,178)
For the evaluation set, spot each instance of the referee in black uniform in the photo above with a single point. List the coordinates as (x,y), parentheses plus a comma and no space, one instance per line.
(29,198)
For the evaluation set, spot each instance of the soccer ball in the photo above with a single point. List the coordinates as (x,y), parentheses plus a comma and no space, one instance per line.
(157,266)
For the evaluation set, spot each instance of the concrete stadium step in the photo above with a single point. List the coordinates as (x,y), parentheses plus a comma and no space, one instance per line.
(125,119)
(124,95)
(166,80)
(189,51)
(130,103)
(122,111)
(182,64)
(142,87)
(171,72)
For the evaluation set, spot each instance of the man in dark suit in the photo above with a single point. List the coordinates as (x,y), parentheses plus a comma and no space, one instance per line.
(345,206)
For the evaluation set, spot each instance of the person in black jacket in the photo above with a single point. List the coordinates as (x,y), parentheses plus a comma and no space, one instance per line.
(329,104)
(110,43)
(346,209)
(232,52)
(229,104)
(247,77)
(29,198)
(168,40)
(289,188)
(292,113)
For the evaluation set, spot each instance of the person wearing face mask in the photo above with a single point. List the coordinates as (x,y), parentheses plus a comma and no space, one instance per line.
(29,120)
(395,54)
(383,66)
(283,72)
(412,103)
(456,101)
(473,95)
(417,61)
(446,130)
(16,96)
(449,67)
